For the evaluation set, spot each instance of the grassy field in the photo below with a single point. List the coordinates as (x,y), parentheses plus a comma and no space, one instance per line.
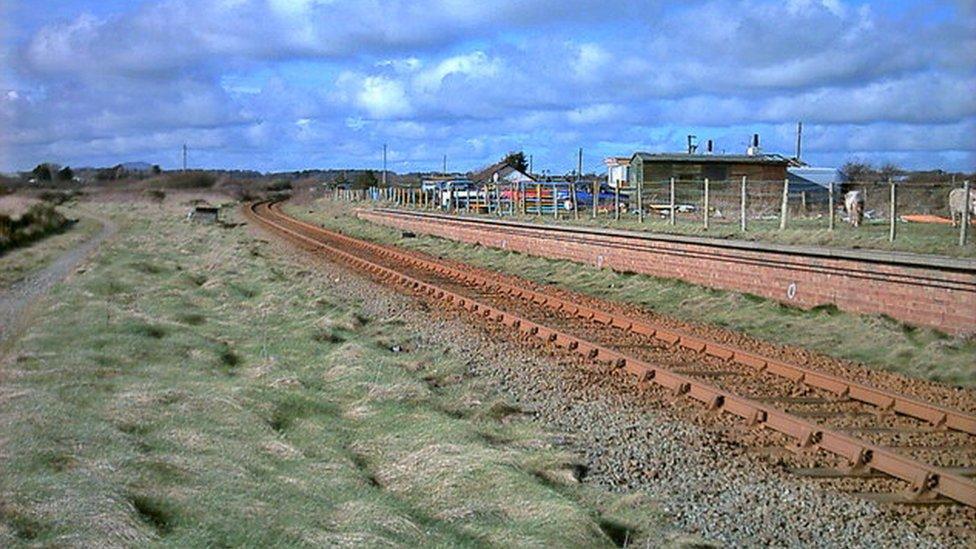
(923,238)
(874,340)
(18,263)
(191,388)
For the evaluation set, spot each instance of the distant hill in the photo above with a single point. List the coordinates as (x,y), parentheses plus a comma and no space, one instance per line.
(136,166)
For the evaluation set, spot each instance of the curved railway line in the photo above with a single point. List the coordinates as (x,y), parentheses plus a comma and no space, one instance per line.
(900,448)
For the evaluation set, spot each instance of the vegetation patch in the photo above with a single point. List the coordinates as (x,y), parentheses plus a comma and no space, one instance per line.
(156,512)
(38,221)
(227,432)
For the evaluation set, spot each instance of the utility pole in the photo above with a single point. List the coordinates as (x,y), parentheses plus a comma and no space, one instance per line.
(530,164)
(384,165)
(445,165)
(799,139)
(184,157)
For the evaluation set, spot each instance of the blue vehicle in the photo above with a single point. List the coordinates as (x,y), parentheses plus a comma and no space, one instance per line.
(605,198)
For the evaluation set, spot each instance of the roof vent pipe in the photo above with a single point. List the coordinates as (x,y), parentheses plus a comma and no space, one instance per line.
(753,149)
(710,148)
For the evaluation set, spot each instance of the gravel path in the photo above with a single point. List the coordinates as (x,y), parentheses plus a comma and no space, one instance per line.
(15,301)
(630,439)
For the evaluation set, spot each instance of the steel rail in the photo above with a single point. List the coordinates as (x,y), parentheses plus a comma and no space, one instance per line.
(926,480)
(937,416)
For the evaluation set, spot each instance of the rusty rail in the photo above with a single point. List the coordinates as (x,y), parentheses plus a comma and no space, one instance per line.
(926,480)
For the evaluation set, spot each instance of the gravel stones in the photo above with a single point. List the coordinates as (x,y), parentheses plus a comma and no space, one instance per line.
(634,439)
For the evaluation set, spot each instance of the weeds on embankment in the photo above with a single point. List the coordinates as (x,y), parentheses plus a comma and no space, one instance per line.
(874,340)
(190,388)
(19,263)
(38,221)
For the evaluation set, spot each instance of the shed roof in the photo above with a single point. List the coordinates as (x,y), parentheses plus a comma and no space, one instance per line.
(821,176)
(712,158)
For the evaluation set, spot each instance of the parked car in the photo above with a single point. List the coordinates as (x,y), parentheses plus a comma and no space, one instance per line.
(542,192)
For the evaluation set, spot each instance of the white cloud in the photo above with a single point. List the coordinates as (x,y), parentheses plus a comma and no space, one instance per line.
(591,63)
(383,98)
(474,65)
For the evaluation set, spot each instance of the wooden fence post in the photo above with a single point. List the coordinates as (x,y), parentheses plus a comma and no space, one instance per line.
(706,197)
(893,212)
(616,201)
(742,205)
(555,202)
(831,205)
(964,224)
(640,198)
(786,201)
(596,195)
(572,194)
(672,206)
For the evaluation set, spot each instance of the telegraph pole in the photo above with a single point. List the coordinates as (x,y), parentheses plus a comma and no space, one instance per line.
(579,166)
(799,138)
(184,157)
(445,165)
(384,165)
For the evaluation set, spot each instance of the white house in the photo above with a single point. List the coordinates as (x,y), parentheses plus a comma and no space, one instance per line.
(618,171)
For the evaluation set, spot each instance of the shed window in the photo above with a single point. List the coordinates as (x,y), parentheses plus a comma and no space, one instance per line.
(715,172)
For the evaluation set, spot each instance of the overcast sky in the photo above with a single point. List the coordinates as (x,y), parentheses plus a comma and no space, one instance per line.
(293,84)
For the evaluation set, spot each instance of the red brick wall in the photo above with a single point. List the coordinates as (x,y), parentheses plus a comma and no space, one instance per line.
(939,298)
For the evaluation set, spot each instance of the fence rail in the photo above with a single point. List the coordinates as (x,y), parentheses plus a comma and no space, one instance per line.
(899,210)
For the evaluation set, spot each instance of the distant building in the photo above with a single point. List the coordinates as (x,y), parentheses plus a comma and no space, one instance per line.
(618,171)
(503,172)
(436,182)
(716,167)
(689,166)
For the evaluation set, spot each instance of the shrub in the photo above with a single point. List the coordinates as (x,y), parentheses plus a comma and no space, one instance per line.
(187,180)
(40,220)
(280,185)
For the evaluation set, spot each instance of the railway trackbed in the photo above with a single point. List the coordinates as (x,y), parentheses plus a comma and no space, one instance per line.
(891,446)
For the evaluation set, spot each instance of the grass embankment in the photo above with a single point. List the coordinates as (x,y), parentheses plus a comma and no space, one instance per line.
(874,340)
(922,238)
(191,388)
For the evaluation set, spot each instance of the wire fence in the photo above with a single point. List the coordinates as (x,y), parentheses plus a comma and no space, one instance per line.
(925,216)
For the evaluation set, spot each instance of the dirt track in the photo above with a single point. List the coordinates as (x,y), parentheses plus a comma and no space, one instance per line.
(15,302)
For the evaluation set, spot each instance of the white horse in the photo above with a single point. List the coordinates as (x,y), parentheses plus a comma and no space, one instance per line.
(956,198)
(854,206)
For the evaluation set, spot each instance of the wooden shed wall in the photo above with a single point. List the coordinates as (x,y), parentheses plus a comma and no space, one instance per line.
(716,171)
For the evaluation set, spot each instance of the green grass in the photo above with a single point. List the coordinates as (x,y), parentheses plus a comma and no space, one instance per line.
(922,238)
(193,389)
(19,263)
(877,341)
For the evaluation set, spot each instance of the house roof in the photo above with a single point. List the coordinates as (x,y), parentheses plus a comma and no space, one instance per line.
(712,158)
(616,160)
(503,168)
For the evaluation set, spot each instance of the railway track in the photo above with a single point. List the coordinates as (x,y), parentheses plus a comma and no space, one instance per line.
(903,449)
